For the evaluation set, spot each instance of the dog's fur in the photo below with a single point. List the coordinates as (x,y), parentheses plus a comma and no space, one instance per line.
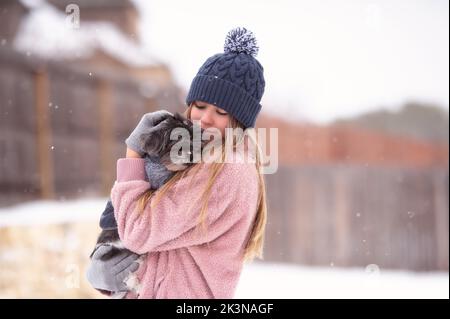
(155,143)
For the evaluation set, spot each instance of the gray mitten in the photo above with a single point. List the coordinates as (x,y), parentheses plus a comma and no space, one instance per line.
(147,121)
(110,274)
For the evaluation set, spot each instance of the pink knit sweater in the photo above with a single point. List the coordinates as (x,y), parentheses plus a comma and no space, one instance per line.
(182,262)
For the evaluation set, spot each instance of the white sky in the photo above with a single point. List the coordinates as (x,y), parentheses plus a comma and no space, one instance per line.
(322,59)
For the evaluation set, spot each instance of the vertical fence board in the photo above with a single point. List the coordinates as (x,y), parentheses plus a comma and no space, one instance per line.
(43,135)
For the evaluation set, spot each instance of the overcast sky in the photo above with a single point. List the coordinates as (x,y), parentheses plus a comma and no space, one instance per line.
(322,59)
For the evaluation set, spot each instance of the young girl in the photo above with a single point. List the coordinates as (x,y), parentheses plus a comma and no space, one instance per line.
(197,230)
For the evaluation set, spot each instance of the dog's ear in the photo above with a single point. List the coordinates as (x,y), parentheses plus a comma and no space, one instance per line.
(182,119)
(152,142)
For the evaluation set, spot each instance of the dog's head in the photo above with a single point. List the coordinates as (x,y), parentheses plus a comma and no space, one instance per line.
(158,142)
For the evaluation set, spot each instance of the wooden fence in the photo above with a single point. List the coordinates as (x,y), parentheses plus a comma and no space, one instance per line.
(355,216)
(62,130)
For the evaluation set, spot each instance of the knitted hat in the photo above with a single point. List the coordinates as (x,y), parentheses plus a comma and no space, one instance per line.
(233,80)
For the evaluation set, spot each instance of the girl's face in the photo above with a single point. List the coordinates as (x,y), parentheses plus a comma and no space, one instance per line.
(210,115)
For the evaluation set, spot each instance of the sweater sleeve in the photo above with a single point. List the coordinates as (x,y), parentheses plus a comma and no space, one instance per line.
(173,222)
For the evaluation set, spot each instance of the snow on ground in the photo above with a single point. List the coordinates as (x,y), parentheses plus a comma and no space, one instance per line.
(52,212)
(262,279)
(273,281)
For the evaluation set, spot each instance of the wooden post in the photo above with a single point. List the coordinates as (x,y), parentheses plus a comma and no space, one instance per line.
(342,217)
(43,135)
(107,166)
(441,218)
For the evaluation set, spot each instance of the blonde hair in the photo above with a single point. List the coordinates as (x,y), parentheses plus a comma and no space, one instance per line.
(255,241)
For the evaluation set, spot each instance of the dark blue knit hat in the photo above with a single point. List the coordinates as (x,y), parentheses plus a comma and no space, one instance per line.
(233,80)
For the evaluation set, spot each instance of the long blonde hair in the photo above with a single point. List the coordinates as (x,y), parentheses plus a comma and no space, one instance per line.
(255,240)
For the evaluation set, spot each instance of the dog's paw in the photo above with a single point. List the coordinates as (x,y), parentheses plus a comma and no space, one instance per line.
(132,281)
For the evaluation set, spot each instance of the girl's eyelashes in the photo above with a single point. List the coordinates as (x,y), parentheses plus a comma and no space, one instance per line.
(201,107)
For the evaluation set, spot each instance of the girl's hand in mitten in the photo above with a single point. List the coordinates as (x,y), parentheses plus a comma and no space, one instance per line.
(110,274)
(147,121)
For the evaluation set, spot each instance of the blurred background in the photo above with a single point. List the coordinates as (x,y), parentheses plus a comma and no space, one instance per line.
(359,92)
